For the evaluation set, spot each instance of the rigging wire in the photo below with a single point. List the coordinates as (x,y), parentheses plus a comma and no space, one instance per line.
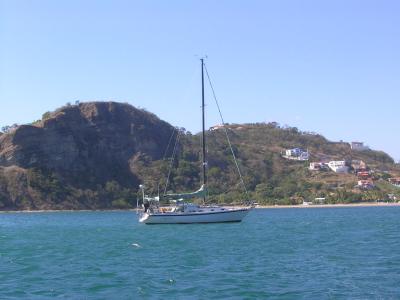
(184,96)
(172,160)
(165,156)
(226,131)
(169,144)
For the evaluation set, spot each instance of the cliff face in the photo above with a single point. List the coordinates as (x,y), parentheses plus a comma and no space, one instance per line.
(86,145)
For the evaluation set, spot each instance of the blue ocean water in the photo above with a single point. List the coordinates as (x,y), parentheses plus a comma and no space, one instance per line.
(327,253)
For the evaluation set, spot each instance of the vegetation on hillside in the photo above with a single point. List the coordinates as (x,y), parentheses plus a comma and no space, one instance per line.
(98,153)
(269,178)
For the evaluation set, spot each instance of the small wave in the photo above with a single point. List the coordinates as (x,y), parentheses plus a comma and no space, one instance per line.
(141,291)
(136,245)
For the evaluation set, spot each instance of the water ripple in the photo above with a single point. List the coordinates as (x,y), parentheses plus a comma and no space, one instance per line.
(276,254)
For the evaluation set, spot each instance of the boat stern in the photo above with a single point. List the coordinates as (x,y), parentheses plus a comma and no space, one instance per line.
(143,217)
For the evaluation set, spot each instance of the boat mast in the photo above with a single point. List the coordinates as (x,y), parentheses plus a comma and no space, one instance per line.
(203,121)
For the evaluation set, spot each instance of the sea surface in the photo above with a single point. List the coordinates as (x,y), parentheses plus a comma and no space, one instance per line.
(313,253)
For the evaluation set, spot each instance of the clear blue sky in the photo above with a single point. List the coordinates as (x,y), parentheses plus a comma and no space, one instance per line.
(327,66)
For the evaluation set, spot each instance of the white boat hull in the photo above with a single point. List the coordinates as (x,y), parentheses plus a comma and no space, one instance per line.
(229,215)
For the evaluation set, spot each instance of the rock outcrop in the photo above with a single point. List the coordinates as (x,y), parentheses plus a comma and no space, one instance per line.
(84,146)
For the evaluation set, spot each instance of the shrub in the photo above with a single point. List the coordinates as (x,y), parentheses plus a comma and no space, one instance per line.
(121,204)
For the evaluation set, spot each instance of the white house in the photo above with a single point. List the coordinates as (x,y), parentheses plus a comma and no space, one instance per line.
(358,146)
(294,152)
(338,166)
(216,127)
(320,200)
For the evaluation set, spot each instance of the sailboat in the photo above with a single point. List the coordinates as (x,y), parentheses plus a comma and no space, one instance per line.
(183,211)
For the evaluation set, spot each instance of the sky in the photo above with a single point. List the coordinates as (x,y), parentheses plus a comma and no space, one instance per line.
(331,67)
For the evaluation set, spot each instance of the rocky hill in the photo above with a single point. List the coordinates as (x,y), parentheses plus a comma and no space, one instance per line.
(94,155)
(75,151)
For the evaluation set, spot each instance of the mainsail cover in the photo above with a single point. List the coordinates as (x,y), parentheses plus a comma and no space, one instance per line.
(200,193)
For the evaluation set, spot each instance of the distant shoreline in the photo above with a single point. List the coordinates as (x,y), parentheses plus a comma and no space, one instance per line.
(361,204)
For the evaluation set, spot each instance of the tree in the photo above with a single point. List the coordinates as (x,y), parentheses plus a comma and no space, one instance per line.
(46,115)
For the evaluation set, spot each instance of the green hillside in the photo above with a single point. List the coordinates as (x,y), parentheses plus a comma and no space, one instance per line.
(270,179)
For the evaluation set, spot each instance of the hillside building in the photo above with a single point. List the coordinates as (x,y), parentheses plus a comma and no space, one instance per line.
(317,166)
(216,127)
(319,200)
(363,175)
(338,166)
(395,181)
(358,146)
(296,154)
(358,165)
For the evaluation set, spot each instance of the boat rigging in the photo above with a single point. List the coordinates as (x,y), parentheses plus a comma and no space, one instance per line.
(183,211)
